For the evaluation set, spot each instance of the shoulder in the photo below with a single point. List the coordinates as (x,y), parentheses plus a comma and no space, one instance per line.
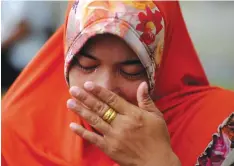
(212,126)
(196,118)
(221,144)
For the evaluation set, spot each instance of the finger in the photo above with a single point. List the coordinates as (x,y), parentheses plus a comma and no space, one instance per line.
(108,97)
(92,118)
(89,100)
(88,135)
(143,98)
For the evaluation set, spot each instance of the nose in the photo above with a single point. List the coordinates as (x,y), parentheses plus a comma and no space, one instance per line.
(108,80)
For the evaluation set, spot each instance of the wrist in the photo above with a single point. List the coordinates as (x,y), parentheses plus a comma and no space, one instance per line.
(168,160)
(175,161)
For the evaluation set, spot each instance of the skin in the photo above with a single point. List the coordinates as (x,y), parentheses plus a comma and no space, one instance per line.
(138,136)
(118,68)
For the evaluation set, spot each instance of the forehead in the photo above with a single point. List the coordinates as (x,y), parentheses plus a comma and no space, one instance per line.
(108,45)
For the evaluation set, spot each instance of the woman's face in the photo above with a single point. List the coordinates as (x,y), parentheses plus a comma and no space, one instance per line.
(109,62)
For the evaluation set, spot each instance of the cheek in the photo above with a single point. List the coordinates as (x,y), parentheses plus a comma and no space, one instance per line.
(128,91)
(76,78)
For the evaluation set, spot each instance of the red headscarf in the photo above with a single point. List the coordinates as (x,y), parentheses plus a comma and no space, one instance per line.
(35,120)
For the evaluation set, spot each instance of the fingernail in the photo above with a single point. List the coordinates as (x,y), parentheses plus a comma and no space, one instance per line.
(145,88)
(75,91)
(71,104)
(89,85)
(73,126)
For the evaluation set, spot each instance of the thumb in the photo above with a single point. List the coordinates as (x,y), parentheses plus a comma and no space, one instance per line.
(143,98)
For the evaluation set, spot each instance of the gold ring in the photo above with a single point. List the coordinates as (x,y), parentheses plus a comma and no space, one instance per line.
(109,115)
(112,117)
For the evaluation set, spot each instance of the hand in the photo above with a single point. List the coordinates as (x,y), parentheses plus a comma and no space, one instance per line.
(137,136)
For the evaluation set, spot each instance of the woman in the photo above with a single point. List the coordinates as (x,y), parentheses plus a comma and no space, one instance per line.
(108,62)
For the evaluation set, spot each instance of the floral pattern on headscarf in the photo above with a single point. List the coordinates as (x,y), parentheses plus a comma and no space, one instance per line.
(221,145)
(148,24)
(140,4)
(139,23)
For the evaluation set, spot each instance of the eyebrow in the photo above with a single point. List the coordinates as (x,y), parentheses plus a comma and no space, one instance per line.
(127,62)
